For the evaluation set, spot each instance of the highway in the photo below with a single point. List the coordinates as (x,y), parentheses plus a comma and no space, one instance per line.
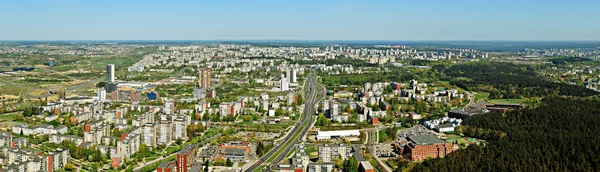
(313,93)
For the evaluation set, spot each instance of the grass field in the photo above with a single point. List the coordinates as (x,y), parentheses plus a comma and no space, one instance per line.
(450,138)
(8,116)
(312,151)
(511,101)
(481,96)
(260,168)
(382,136)
(14,90)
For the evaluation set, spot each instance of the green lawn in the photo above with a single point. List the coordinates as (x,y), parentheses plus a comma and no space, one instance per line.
(7,116)
(311,151)
(260,168)
(450,138)
(382,136)
(509,101)
(291,153)
(481,96)
(210,132)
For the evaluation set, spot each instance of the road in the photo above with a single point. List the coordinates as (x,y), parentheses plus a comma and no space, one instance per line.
(471,97)
(313,92)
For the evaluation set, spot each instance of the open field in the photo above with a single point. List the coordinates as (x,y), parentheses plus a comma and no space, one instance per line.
(481,96)
(7,116)
(524,101)
(312,152)
(462,141)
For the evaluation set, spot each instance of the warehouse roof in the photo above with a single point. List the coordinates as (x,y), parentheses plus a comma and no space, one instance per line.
(339,133)
(425,139)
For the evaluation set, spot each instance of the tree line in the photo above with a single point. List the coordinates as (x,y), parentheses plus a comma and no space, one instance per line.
(508,81)
(559,135)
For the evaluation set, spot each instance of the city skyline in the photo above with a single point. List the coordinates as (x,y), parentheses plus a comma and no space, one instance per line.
(299,20)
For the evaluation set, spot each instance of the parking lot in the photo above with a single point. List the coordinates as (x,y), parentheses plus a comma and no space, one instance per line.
(209,152)
(260,135)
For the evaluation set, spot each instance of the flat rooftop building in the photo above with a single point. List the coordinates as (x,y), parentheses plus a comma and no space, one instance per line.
(424,146)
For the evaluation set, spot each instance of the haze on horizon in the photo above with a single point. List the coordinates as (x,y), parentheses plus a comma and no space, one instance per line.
(299,20)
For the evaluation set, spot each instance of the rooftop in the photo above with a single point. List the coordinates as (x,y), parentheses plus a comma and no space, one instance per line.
(187,148)
(425,139)
(164,165)
(196,168)
(444,125)
(366,164)
(339,133)
(234,151)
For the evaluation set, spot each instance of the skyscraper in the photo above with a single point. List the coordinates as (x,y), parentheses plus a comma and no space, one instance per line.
(110,73)
(288,74)
(101,94)
(285,84)
(293,74)
(204,78)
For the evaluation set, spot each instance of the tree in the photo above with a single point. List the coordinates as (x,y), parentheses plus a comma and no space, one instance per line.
(350,165)
(300,99)
(27,112)
(101,84)
(219,162)
(391,132)
(143,151)
(260,148)
(228,163)
(322,120)
(69,167)
(338,162)
(206,166)
(543,136)
(247,118)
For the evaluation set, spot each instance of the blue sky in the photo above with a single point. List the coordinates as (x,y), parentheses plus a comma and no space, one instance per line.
(299,20)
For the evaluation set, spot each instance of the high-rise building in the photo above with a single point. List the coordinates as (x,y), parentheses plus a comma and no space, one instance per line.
(111,87)
(204,78)
(149,137)
(110,73)
(292,75)
(285,84)
(101,94)
(199,93)
(165,131)
(168,107)
(325,107)
(288,74)
(334,109)
(179,128)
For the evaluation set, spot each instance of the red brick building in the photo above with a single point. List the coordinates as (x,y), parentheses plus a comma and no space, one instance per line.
(166,167)
(424,146)
(185,157)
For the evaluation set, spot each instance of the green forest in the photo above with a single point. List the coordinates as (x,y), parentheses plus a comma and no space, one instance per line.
(562,134)
(509,81)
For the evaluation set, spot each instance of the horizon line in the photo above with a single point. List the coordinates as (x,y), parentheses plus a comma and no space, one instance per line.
(319,40)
